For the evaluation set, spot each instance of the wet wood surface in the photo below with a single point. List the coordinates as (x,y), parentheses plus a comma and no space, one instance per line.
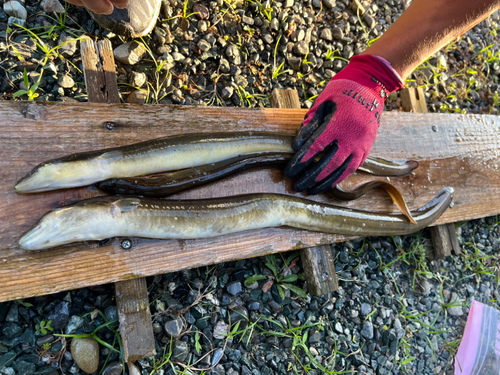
(453,150)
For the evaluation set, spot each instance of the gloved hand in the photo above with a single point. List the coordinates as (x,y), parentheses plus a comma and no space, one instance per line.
(342,124)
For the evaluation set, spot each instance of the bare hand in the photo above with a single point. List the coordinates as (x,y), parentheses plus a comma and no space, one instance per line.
(100,6)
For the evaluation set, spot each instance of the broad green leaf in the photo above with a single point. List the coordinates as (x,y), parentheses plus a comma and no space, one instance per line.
(295,289)
(254,278)
(290,279)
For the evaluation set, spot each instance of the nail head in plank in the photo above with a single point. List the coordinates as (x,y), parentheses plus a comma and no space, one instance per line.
(317,261)
(131,295)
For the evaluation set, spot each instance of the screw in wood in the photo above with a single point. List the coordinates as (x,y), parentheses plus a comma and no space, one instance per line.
(109,126)
(126,244)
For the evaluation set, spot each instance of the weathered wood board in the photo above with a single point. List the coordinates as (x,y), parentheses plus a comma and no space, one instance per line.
(453,150)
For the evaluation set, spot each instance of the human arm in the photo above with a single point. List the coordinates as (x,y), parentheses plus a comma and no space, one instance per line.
(341,132)
(100,6)
(426,27)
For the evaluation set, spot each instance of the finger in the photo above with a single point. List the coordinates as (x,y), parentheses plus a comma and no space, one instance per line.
(120,4)
(332,180)
(308,180)
(75,2)
(298,164)
(323,113)
(98,6)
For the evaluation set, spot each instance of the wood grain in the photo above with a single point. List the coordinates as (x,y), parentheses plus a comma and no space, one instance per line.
(462,153)
(443,237)
(132,299)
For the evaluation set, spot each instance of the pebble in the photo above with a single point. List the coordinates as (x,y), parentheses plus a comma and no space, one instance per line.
(68,43)
(129,53)
(138,79)
(221,330)
(174,328)
(367,330)
(337,33)
(52,6)
(85,352)
(66,81)
(202,12)
(180,351)
(326,34)
(234,287)
(113,368)
(15,9)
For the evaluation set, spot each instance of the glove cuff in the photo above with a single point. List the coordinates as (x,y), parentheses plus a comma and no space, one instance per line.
(372,68)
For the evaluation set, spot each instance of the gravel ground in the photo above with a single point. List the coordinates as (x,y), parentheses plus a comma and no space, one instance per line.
(394,311)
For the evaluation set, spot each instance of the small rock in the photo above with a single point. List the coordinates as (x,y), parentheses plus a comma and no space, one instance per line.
(275,25)
(248,20)
(66,81)
(295,63)
(288,3)
(365,309)
(367,330)
(180,351)
(203,45)
(60,316)
(202,12)
(68,47)
(15,9)
(202,26)
(221,330)
(52,6)
(114,368)
(138,79)
(132,369)
(326,34)
(337,33)
(217,356)
(301,48)
(455,310)
(234,288)
(129,53)
(16,21)
(369,20)
(315,337)
(137,97)
(239,313)
(227,92)
(174,328)
(85,352)
(329,4)
(74,323)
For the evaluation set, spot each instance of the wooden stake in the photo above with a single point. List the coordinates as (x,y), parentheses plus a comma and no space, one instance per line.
(132,298)
(317,261)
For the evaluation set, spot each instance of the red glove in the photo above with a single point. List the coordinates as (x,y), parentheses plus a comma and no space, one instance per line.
(343,123)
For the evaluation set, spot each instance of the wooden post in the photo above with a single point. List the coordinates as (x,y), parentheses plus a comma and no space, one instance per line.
(132,298)
(317,261)
(444,237)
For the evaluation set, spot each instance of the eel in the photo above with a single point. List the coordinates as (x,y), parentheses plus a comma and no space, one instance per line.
(175,182)
(168,154)
(105,217)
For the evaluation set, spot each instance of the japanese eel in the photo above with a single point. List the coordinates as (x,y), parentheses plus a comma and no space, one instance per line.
(105,217)
(169,154)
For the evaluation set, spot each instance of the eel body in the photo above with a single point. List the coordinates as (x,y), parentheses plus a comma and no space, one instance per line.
(105,217)
(169,154)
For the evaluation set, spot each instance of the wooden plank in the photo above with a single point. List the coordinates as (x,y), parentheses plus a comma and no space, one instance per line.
(318,265)
(318,262)
(136,329)
(132,298)
(461,152)
(444,238)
